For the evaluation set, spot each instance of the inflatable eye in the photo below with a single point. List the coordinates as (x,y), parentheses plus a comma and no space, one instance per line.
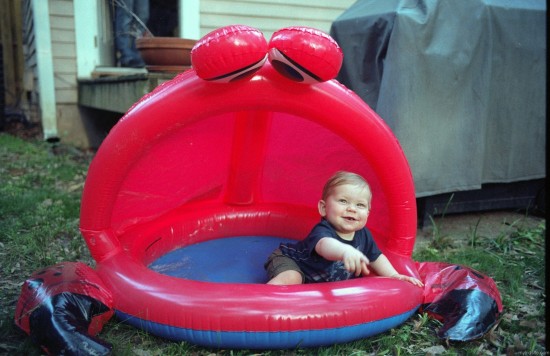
(305,54)
(229,53)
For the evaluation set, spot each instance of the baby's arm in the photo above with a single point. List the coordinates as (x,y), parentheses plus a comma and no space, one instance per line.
(333,250)
(384,268)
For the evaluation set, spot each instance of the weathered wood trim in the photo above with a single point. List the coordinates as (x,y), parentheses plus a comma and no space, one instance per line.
(189,19)
(86,20)
(44,68)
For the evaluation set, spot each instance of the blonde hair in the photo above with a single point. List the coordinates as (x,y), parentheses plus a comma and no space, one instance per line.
(343,177)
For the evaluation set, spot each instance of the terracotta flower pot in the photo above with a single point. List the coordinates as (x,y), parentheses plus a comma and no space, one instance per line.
(165,52)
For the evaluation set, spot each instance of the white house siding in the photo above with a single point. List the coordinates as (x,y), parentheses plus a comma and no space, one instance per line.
(64,51)
(266,15)
(270,15)
(62,24)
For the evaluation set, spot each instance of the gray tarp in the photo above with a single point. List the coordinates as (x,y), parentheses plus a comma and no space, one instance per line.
(462,83)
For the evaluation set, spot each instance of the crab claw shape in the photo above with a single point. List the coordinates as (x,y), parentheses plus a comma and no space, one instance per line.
(305,54)
(229,53)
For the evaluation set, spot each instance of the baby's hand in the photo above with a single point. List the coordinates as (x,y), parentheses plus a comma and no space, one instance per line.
(409,279)
(355,262)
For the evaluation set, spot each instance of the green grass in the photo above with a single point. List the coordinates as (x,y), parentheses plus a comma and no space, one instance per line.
(40,190)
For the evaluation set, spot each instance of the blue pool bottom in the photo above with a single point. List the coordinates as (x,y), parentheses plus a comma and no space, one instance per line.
(228,260)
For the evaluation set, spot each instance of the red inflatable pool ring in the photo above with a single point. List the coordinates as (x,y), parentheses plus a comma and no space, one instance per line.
(199,161)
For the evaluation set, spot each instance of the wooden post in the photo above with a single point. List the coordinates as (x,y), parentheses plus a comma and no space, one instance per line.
(44,63)
(11,39)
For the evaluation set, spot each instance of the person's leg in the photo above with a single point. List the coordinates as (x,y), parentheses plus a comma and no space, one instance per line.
(286,278)
(283,270)
(123,36)
(125,32)
(142,10)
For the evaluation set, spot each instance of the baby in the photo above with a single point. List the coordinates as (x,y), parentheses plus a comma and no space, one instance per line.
(339,247)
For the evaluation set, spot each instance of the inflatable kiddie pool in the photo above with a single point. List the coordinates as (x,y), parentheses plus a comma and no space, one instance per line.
(231,169)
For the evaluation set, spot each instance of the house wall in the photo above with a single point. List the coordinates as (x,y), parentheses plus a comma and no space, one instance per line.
(266,15)
(69,124)
(63,50)
(270,15)
(52,100)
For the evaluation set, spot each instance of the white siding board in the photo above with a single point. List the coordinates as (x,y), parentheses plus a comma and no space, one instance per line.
(64,81)
(341,4)
(302,10)
(61,7)
(63,23)
(265,24)
(66,96)
(63,49)
(270,15)
(212,18)
(65,65)
(63,36)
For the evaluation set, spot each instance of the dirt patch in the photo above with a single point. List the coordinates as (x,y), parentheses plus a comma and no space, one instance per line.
(22,128)
(462,227)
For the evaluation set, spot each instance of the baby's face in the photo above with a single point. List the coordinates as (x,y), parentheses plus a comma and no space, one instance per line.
(347,209)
